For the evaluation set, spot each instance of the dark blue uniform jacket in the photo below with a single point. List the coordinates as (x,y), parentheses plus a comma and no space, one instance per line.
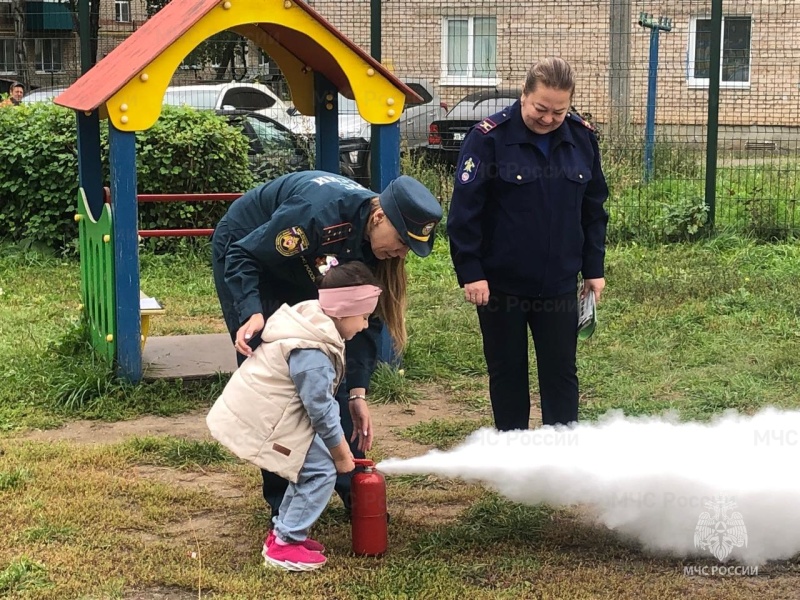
(276,236)
(526,222)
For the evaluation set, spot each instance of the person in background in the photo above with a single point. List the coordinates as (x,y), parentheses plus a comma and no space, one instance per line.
(268,250)
(15,93)
(279,410)
(526,219)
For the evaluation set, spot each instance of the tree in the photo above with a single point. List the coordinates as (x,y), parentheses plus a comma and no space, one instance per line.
(24,66)
(220,51)
(94,24)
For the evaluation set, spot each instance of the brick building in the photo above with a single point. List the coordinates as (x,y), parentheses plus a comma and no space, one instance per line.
(461,47)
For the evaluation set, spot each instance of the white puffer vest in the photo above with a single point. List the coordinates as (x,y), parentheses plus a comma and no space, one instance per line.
(259,416)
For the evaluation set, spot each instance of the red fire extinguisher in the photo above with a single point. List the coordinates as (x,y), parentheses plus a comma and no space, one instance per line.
(369,519)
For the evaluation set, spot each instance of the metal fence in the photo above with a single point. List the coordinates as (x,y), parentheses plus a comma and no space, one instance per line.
(644,68)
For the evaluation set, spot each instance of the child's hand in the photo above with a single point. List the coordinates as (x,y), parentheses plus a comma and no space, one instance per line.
(345,465)
(342,457)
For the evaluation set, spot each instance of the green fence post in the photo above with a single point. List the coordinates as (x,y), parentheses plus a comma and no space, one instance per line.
(713,111)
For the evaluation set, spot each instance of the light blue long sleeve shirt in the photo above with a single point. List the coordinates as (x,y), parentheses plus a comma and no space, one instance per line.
(313,375)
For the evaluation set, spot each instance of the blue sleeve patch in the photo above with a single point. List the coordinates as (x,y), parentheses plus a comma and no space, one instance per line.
(468,169)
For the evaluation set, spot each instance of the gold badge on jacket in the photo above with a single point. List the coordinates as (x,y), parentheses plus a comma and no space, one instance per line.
(291,241)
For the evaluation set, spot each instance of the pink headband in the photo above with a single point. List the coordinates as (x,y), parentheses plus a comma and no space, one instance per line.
(350,301)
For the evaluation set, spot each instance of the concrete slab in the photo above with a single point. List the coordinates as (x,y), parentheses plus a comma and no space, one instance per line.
(188,356)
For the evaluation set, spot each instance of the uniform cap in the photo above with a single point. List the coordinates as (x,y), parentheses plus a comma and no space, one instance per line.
(413,211)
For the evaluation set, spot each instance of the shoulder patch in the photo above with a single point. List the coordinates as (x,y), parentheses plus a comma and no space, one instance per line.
(492,121)
(486,125)
(291,241)
(579,119)
(468,169)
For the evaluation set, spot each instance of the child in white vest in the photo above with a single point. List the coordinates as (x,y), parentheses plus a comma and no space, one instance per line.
(278,411)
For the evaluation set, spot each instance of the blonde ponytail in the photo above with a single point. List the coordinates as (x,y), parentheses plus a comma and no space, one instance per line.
(393,301)
(391,273)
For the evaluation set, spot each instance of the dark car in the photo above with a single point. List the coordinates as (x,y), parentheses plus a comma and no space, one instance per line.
(355,132)
(446,134)
(274,149)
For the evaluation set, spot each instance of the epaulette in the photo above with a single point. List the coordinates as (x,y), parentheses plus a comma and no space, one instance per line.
(579,119)
(489,123)
(336,233)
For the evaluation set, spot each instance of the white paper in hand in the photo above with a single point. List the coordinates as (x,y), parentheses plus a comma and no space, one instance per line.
(587,316)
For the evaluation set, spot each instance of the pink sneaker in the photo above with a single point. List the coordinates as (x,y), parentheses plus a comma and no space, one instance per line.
(293,557)
(308,543)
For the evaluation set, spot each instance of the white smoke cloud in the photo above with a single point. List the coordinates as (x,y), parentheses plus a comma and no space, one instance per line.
(651,478)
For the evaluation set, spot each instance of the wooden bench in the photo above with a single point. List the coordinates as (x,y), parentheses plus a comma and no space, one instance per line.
(148,307)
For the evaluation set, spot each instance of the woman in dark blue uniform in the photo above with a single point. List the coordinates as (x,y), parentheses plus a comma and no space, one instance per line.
(268,250)
(526,219)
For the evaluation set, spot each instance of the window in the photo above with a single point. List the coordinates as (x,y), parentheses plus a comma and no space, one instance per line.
(271,137)
(735,68)
(247,99)
(8,62)
(469,51)
(122,11)
(49,55)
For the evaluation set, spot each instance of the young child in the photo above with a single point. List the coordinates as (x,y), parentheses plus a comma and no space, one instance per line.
(278,410)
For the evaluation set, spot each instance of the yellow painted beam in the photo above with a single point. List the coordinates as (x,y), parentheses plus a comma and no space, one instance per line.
(299,77)
(137,105)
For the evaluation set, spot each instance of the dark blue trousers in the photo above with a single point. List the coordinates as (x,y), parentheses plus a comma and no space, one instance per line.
(553,323)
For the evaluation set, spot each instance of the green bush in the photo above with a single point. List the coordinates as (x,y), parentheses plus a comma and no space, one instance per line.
(38,174)
(189,151)
(185,151)
(685,219)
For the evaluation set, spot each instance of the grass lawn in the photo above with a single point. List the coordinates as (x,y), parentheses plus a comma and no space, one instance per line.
(694,328)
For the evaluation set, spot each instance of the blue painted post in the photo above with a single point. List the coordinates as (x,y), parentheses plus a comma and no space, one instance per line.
(125,220)
(650,123)
(655,26)
(385,149)
(384,163)
(326,111)
(90,175)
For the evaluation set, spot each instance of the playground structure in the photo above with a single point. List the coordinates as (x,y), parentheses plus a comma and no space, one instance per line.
(127,89)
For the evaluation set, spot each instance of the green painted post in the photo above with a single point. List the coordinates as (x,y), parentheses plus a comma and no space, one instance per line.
(97,276)
(713,111)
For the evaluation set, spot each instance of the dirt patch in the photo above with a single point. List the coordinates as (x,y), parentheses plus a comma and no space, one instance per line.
(223,485)
(189,426)
(427,515)
(161,593)
(435,403)
(388,420)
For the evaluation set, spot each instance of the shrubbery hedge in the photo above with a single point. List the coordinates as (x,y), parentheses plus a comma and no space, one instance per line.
(185,151)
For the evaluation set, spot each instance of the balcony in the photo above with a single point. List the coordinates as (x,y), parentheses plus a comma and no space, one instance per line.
(48,16)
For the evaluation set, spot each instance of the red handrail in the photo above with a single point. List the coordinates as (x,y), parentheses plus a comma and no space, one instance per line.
(174,232)
(218,197)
